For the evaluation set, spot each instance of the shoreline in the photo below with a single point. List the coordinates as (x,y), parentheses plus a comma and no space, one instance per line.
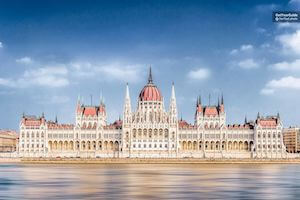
(144,161)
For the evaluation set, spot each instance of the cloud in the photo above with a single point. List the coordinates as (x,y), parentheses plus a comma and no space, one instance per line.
(108,72)
(294,3)
(248,64)
(246,47)
(287,25)
(261,30)
(51,77)
(287,66)
(1,45)
(287,82)
(267,7)
(243,48)
(199,74)
(55,99)
(290,42)
(266,91)
(24,60)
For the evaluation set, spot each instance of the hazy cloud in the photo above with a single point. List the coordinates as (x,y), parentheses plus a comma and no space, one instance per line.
(243,48)
(1,44)
(108,72)
(287,66)
(45,77)
(290,42)
(199,74)
(287,82)
(267,91)
(248,64)
(24,60)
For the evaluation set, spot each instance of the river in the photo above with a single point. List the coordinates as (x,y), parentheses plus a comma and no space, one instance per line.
(153,181)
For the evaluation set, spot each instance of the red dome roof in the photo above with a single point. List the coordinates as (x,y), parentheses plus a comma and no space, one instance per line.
(150,92)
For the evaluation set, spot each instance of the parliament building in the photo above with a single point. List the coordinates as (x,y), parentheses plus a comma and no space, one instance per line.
(151,131)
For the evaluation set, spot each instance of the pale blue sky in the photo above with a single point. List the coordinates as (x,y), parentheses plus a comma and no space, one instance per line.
(51,51)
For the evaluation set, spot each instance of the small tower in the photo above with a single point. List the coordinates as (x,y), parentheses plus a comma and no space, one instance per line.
(173,107)
(127,107)
(199,112)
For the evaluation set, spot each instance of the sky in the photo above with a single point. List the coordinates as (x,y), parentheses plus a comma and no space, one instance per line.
(53,51)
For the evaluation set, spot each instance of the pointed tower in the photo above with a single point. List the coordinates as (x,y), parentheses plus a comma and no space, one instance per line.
(199,112)
(127,107)
(101,112)
(222,108)
(78,112)
(150,80)
(173,107)
(222,114)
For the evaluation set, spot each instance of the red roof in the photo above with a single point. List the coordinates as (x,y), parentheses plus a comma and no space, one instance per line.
(182,124)
(91,110)
(32,121)
(116,125)
(150,93)
(210,111)
(239,126)
(53,125)
(268,122)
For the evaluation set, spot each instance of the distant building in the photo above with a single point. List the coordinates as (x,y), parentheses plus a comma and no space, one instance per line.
(291,139)
(8,141)
(151,131)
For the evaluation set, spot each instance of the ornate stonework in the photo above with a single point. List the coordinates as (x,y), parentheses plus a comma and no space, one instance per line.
(152,131)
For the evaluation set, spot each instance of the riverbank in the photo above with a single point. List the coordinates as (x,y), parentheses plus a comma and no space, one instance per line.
(145,161)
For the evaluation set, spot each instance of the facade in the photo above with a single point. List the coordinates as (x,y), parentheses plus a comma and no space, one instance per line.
(151,131)
(291,139)
(8,141)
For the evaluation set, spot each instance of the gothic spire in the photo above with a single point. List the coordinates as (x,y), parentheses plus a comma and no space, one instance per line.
(127,96)
(222,100)
(245,119)
(150,80)
(173,91)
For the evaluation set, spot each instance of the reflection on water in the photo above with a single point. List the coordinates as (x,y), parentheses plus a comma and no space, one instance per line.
(150,181)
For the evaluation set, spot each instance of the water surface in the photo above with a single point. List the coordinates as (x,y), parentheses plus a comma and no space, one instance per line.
(155,181)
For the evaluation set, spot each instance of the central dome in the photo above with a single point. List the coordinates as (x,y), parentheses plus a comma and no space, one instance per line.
(150,92)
